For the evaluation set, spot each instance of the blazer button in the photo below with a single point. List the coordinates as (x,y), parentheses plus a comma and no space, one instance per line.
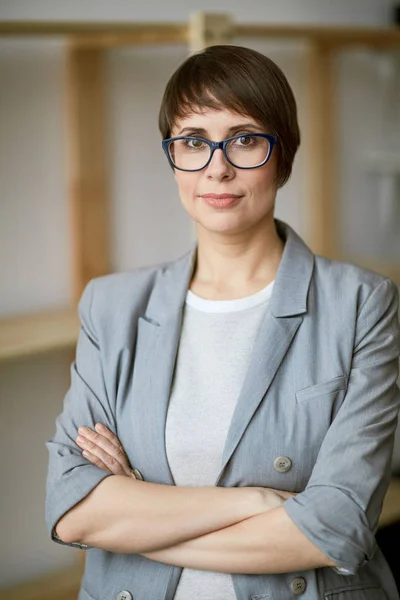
(137,474)
(298,586)
(282,464)
(124,595)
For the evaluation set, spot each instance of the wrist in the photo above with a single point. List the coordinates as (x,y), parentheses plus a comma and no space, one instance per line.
(271,499)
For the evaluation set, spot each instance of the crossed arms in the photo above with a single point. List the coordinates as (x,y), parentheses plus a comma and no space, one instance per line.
(232,530)
(331,522)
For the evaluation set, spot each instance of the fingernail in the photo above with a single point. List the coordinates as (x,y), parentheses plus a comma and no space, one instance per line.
(83,430)
(100,426)
(80,440)
(85,454)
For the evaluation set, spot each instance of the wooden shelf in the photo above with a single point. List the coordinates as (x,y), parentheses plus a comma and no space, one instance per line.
(41,332)
(63,585)
(145,33)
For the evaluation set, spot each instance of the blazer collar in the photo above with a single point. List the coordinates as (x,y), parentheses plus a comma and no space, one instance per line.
(289,294)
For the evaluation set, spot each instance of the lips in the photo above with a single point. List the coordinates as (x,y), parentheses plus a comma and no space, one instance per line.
(220,200)
(220,196)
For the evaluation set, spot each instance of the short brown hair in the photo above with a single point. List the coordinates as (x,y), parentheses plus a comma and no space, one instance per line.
(241,80)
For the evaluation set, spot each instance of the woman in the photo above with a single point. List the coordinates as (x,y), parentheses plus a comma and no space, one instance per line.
(251,384)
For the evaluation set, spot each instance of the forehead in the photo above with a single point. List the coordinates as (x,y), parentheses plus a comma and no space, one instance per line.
(212,119)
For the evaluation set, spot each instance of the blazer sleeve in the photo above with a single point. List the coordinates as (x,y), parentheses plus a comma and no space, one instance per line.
(70,476)
(340,507)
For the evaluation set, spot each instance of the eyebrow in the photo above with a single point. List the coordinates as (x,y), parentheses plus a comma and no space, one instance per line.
(202,131)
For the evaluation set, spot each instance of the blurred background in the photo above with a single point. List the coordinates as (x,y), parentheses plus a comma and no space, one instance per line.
(346,180)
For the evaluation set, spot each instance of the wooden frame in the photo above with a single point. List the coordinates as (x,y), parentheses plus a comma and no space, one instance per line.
(88,166)
(89,186)
(153,33)
(321,192)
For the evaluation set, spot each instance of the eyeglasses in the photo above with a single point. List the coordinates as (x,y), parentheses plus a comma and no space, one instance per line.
(245,151)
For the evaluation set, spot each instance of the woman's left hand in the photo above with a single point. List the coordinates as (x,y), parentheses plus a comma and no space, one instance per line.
(103,449)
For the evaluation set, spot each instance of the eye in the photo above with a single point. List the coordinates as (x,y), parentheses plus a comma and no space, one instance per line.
(245,140)
(194,143)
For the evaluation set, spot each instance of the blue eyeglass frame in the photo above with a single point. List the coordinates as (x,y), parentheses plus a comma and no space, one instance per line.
(219,146)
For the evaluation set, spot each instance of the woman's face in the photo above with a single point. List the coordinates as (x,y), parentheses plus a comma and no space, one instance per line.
(254,189)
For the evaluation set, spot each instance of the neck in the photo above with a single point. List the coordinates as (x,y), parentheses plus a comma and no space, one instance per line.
(244,263)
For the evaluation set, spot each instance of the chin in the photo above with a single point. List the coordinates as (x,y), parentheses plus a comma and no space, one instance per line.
(222,226)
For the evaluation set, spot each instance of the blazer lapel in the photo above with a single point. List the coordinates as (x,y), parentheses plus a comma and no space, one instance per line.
(281,322)
(156,351)
(272,343)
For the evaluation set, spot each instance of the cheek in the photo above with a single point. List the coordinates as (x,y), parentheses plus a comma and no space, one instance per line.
(263,184)
(267,177)
(186,183)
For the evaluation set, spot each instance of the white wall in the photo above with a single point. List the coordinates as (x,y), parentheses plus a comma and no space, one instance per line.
(33,202)
(148,224)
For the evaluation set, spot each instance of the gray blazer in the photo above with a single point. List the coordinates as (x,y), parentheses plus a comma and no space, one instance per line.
(320,394)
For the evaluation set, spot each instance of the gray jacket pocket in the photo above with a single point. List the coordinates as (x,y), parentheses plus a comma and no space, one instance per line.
(320,389)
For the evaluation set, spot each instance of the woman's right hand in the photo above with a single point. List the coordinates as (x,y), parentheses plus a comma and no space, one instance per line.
(104,450)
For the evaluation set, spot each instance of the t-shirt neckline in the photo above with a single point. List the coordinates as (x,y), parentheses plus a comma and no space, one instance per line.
(226,306)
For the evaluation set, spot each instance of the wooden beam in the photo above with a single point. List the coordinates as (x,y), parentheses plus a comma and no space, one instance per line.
(335,37)
(88,166)
(144,37)
(209,29)
(116,34)
(101,34)
(320,141)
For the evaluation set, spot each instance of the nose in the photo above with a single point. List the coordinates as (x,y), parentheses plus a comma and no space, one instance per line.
(219,167)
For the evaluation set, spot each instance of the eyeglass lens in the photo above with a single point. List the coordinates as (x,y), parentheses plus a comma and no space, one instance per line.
(245,151)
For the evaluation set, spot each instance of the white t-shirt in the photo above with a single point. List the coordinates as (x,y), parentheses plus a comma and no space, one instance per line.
(216,343)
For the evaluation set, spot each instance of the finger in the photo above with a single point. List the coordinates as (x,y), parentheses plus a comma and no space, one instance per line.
(94,460)
(99,454)
(101,447)
(99,463)
(109,435)
(115,449)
